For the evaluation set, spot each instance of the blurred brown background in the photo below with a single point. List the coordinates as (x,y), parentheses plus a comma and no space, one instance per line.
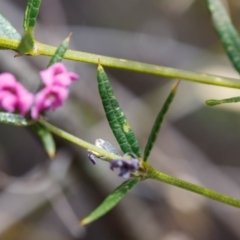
(40,199)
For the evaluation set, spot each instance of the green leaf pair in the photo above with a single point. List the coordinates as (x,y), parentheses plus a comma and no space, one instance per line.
(125,137)
(118,121)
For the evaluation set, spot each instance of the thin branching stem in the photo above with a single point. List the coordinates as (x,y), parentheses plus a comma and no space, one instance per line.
(162,177)
(61,133)
(150,172)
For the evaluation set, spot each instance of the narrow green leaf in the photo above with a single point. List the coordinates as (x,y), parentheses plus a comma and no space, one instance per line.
(7,30)
(31,14)
(59,53)
(213,102)
(226,31)
(111,201)
(115,116)
(158,122)
(14,119)
(46,138)
(26,45)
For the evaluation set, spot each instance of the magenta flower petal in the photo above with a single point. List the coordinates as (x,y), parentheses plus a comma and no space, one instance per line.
(58,75)
(65,79)
(56,79)
(48,75)
(7,80)
(7,101)
(73,76)
(13,96)
(48,98)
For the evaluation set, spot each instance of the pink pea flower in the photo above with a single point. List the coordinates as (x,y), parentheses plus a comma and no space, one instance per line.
(58,75)
(13,96)
(56,80)
(48,98)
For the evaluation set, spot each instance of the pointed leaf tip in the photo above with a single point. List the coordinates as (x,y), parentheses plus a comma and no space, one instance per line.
(46,138)
(83,222)
(110,201)
(99,65)
(51,154)
(61,50)
(175,87)
(69,37)
(158,122)
(213,102)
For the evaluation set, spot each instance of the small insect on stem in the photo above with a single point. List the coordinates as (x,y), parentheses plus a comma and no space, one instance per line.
(93,156)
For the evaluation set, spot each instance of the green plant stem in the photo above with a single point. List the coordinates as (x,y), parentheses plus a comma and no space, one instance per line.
(47,50)
(150,172)
(9,43)
(141,67)
(109,156)
(162,177)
